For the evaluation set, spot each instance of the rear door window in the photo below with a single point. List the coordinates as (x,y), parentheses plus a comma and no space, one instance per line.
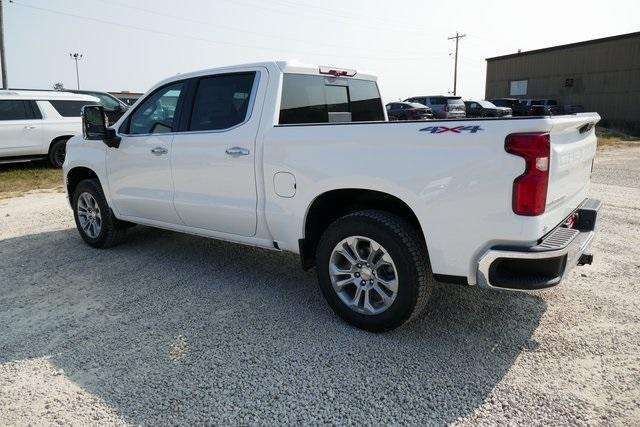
(15,109)
(438,101)
(222,101)
(70,108)
(319,99)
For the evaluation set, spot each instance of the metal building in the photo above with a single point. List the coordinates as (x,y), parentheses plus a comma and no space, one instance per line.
(601,75)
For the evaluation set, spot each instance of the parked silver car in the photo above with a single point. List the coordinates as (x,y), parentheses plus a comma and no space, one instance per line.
(443,107)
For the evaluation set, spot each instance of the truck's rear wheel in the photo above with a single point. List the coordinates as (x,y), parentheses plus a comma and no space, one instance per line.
(95,221)
(373,270)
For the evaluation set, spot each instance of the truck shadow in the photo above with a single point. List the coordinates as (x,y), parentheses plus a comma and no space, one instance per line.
(169,328)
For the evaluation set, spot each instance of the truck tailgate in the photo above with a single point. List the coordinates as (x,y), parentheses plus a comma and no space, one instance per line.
(573,148)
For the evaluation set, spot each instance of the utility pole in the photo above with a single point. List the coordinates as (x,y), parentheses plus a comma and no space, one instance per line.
(3,61)
(76,57)
(457,37)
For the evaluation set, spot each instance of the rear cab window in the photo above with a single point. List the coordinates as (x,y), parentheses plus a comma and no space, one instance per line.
(320,99)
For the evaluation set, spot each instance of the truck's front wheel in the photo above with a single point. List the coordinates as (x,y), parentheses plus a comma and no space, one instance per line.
(95,221)
(373,270)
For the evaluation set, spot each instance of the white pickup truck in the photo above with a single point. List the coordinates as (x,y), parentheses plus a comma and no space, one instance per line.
(302,159)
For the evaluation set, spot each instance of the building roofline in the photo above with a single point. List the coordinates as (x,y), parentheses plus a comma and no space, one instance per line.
(565,46)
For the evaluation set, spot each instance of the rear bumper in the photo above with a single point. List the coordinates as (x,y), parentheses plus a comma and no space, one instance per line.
(545,264)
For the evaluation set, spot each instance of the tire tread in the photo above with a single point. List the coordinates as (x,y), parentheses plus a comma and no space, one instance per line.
(417,253)
(115,230)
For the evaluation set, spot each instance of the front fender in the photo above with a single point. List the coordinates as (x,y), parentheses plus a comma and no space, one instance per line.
(91,155)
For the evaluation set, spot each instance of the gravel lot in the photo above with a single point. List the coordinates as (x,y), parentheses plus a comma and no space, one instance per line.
(168,328)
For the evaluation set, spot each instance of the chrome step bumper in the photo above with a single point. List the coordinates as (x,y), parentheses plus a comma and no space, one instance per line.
(545,264)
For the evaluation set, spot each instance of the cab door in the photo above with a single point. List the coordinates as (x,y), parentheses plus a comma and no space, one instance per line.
(214,158)
(140,168)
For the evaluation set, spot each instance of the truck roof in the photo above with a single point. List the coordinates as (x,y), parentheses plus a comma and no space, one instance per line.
(288,67)
(44,95)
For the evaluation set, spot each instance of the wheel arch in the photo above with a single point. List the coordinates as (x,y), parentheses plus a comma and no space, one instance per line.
(77,174)
(56,139)
(333,204)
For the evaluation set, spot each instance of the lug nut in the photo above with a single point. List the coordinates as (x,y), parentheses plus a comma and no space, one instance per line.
(357,274)
(363,282)
(359,265)
(371,281)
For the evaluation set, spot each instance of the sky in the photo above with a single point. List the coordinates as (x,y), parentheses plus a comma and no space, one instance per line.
(133,44)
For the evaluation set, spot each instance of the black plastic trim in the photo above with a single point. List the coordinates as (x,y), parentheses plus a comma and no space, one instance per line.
(306,261)
(454,280)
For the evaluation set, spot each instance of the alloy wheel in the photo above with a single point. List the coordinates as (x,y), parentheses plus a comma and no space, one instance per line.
(363,275)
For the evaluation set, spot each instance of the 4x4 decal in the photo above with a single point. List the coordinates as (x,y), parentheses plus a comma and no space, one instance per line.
(457,129)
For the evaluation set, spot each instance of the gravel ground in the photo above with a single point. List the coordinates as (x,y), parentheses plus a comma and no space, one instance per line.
(168,328)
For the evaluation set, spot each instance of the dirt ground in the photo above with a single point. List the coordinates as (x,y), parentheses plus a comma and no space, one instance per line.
(168,328)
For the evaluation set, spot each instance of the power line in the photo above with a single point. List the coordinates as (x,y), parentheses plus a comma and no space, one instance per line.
(457,38)
(217,24)
(406,28)
(397,25)
(201,39)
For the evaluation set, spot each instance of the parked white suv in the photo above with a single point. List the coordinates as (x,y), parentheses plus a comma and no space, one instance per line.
(37,124)
(301,159)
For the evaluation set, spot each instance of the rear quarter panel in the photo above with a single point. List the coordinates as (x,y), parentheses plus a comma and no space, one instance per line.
(459,184)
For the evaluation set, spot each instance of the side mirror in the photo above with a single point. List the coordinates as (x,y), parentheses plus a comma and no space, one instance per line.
(94,126)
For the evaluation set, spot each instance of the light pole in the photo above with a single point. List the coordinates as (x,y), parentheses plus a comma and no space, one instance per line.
(3,60)
(76,57)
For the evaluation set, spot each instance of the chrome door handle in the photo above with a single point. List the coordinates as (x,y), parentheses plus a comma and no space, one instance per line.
(30,127)
(159,150)
(237,151)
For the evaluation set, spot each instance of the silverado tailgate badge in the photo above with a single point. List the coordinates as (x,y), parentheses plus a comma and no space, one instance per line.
(457,129)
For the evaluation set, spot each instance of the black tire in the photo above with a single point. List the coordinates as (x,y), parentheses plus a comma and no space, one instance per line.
(403,244)
(112,231)
(57,152)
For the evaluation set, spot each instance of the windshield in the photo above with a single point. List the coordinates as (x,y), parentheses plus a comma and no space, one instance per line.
(486,104)
(455,101)
(107,101)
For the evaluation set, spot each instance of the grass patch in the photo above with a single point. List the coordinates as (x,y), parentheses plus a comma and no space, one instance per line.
(612,137)
(18,178)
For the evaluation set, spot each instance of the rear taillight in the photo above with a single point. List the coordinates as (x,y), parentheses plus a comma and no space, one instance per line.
(530,188)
